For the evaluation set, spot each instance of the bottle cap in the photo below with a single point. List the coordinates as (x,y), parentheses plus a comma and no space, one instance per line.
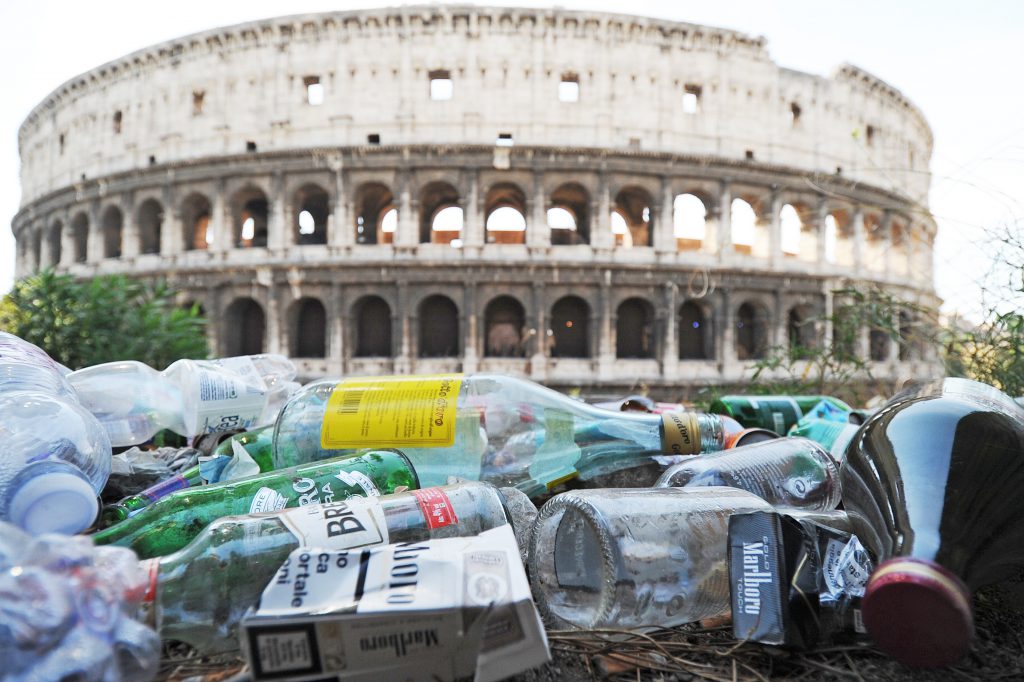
(55,502)
(918,612)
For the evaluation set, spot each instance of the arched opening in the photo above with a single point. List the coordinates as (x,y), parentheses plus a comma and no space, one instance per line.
(790,230)
(801,330)
(440,214)
(53,244)
(244,328)
(875,242)
(505,208)
(693,333)
(633,206)
(634,329)
(570,320)
(569,215)
(504,320)
(309,335)
(438,328)
(80,237)
(375,215)
(149,217)
(751,331)
(743,221)
(689,222)
(313,207)
(112,224)
(250,211)
(878,345)
(195,218)
(373,328)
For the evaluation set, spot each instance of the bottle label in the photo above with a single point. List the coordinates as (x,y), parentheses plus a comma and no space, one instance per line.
(231,395)
(392,412)
(436,507)
(680,433)
(357,479)
(345,524)
(267,500)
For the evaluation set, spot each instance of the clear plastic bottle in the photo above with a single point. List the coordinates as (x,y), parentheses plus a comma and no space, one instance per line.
(26,367)
(634,558)
(785,472)
(191,397)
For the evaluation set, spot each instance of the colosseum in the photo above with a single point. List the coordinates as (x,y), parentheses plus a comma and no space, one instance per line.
(586,199)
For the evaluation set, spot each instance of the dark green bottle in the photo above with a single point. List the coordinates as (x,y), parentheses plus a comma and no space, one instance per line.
(173,521)
(777,413)
(259,443)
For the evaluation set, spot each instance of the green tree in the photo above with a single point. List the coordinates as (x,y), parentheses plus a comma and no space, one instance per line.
(104,319)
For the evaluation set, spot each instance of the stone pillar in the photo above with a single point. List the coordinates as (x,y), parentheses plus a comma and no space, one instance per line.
(605,324)
(339,226)
(536,320)
(470,335)
(601,234)
(712,220)
(725,220)
(400,321)
(129,228)
(172,238)
(664,225)
(221,228)
(775,229)
(335,330)
(279,223)
(725,334)
(472,216)
(827,331)
(538,234)
(67,242)
(275,327)
(778,331)
(94,245)
(407,233)
(886,231)
(820,214)
(857,227)
(669,344)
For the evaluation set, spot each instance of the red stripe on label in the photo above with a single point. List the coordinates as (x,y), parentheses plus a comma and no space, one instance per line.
(437,508)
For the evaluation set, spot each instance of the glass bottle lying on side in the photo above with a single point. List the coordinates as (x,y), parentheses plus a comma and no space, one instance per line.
(200,593)
(172,522)
(503,430)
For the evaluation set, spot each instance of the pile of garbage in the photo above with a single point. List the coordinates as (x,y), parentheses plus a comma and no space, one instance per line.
(439,527)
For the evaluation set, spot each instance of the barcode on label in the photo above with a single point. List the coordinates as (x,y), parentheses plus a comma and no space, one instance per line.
(351,400)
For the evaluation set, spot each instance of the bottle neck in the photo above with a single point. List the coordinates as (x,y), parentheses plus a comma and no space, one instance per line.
(691,433)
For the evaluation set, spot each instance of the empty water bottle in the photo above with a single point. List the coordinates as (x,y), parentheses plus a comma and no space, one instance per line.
(191,397)
(26,367)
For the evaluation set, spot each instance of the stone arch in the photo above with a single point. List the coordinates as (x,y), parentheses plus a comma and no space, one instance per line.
(244,328)
(635,206)
(570,322)
(80,237)
(373,202)
(438,327)
(574,200)
(878,345)
(751,331)
(689,221)
(373,327)
(250,213)
(196,211)
(798,229)
(875,241)
(53,242)
(504,322)
(634,329)
(437,226)
(312,206)
(743,223)
(801,329)
(112,226)
(309,328)
(695,333)
(149,217)
(505,214)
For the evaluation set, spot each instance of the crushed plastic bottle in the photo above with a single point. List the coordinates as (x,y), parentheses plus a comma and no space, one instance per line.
(65,611)
(26,367)
(133,401)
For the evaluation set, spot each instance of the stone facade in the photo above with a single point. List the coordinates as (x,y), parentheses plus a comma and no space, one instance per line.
(586,199)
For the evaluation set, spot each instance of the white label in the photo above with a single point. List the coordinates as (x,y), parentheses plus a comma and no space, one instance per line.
(345,524)
(284,651)
(357,479)
(231,395)
(267,500)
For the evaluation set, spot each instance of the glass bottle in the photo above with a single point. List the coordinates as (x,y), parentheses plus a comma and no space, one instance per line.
(785,472)
(200,592)
(774,412)
(499,429)
(171,523)
(258,444)
(932,484)
(634,558)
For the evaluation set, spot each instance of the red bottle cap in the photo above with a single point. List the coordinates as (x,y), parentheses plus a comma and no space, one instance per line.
(918,612)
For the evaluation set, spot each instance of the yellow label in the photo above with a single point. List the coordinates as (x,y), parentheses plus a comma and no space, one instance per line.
(680,433)
(395,411)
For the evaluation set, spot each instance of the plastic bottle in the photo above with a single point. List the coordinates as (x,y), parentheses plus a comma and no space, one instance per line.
(831,435)
(777,413)
(499,429)
(133,401)
(932,483)
(201,592)
(634,558)
(257,444)
(785,472)
(171,523)
(25,366)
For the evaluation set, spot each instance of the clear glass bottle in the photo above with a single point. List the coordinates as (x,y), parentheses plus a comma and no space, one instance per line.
(634,558)
(785,472)
(200,593)
(499,429)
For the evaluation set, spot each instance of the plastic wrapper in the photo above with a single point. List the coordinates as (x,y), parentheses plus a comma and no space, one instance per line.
(135,470)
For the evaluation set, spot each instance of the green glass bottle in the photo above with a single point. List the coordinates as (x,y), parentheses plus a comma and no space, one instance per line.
(485,427)
(257,443)
(777,413)
(200,593)
(172,522)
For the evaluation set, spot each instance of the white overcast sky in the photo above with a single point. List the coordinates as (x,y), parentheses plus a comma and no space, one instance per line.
(960,62)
